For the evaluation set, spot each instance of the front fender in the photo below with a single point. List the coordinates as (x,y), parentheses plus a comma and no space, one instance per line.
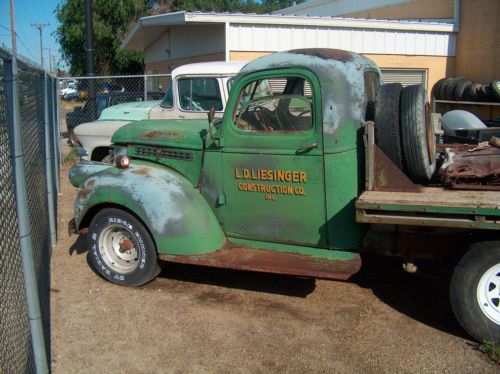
(178,217)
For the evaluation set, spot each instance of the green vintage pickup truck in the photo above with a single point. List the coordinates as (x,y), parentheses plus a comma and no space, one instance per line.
(313,164)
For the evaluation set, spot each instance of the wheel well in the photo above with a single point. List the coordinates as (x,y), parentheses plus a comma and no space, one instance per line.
(99,153)
(91,213)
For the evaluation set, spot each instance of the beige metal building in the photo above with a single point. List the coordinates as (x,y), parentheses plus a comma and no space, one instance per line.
(412,41)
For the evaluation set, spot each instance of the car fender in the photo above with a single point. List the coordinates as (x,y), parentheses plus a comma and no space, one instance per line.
(172,209)
(92,135)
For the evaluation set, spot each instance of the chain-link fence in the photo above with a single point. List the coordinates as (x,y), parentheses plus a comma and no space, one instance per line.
(82,99)
(29,172)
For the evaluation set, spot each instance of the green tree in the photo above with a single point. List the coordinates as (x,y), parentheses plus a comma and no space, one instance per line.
(112,20)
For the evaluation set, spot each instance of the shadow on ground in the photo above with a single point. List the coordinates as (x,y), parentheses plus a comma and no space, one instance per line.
(422,298)
(245,280)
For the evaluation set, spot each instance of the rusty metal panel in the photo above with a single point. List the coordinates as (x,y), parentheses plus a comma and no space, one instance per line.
(381,172)
(478,169)
(243,258)
(388,177)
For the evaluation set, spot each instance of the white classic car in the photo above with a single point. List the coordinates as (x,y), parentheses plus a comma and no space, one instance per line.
(195,88)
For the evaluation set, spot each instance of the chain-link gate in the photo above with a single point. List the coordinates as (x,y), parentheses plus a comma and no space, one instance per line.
(29,170)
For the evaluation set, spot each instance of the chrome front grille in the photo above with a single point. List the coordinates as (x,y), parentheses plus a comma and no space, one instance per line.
(163,153)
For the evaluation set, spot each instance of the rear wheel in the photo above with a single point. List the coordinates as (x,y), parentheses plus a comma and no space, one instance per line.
(475,291)
(417,134)
(121,249)
(387,127)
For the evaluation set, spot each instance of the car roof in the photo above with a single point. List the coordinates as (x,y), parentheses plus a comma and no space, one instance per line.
(209,68)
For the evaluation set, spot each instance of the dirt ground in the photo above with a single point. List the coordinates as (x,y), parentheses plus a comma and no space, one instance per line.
(194,319)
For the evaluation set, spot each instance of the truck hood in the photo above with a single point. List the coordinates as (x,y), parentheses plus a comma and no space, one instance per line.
(134,111)
(99,128)
(187,134)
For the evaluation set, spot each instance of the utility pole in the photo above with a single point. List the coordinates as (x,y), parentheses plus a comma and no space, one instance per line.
(89,38)
(89,56)
(40,27)
(12,27)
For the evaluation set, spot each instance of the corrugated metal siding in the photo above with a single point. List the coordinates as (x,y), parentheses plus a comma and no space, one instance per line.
(187,41)
(336,7)
(263,38)
(407,77)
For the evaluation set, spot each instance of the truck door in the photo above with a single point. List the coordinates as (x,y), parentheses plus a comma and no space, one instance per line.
(273,175)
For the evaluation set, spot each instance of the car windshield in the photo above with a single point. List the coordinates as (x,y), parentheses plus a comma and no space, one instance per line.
(199,94)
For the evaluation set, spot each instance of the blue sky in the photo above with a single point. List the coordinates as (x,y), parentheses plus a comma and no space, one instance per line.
(26,13)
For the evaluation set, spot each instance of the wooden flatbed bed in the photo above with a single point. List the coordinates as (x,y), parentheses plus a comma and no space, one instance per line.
(431,206)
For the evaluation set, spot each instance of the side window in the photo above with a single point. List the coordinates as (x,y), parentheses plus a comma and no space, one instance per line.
(199,94)
(275,104)
(168,100)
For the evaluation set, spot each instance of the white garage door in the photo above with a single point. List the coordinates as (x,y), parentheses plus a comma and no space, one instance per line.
(407,77)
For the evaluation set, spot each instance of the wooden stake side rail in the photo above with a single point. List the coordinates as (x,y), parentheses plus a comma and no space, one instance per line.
(431,206)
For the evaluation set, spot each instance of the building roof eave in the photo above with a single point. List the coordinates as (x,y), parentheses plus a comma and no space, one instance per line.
(137,39)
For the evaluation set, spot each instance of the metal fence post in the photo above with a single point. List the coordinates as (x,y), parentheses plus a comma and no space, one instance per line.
(54,128)
(58,133)
(25,234)
(145,88)
(49,164)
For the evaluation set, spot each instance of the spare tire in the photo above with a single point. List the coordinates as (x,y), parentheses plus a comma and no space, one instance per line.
(387,135)
(473,91)
(435,92)
(485,93)
(450,88)
(468,94)
(443,88)
(417,134)
(460,89)
(495,89)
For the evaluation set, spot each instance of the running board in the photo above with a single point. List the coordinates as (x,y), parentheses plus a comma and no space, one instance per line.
(249,259)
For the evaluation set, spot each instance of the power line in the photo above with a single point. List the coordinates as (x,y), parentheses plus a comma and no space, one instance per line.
(26,48)
(20,40)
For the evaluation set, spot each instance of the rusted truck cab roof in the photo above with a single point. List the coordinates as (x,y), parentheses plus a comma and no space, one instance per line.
(343,99)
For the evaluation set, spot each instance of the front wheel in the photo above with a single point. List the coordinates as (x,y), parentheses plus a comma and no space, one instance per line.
(475,291)
(121,249)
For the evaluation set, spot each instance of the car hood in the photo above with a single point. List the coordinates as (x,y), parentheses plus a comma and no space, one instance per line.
(134,111)
(98,128)
(187,134)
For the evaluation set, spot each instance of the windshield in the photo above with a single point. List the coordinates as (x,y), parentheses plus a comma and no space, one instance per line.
(199,94)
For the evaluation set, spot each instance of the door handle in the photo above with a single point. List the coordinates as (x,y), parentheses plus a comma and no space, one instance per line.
(307,148)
